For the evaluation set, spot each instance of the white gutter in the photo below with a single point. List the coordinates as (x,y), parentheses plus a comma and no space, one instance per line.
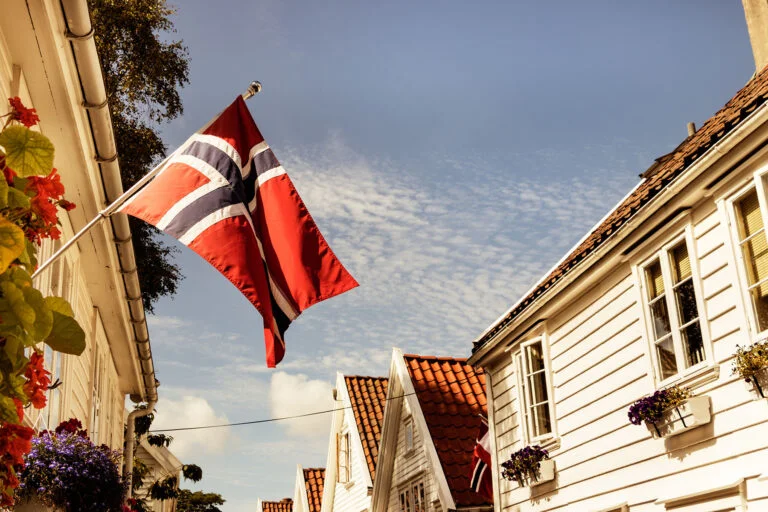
(80,34)
(719,149)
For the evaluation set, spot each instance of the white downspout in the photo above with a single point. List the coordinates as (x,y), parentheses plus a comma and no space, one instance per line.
(80,34)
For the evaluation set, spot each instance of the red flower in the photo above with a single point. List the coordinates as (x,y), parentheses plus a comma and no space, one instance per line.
(19,409)
(27,116)
(9,175)
(15,442)
(37,380)
(47,186)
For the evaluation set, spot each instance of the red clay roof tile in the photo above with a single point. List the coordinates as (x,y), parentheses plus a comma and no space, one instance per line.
(452,397)
(284,505)
(368,396)
(670,167)
(314,479)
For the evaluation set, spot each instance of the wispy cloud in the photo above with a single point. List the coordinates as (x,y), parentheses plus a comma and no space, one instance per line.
(295,394)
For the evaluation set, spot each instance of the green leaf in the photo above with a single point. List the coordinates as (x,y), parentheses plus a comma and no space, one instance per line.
(27,152)
(25,314)
(12,243)
(59,305)
(17,198)
(8,410)
(14,350)
(43,315)
(3,193)
(28,257)
(66,336)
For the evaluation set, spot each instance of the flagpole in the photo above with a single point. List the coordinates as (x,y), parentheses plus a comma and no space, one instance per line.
(253,89)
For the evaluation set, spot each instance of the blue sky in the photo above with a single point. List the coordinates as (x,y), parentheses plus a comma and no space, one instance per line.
(451,152)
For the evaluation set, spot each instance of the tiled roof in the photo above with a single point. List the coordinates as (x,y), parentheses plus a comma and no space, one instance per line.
(284,505)
(313,479)
(368,396)
(656,179)
(452,397)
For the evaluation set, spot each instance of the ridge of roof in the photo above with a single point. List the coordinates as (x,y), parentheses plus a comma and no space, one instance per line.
(453,414)
(314,480)
(657,177)
(368,396)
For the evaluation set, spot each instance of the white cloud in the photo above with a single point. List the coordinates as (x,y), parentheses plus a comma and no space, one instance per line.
(291,395)
(191,411)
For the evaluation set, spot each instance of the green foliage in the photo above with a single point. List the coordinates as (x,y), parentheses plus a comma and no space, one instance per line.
(27,152)
(159,440)
(140,471)
(143,72)
(198,501)
(12,242)
(192,472)
(165,489)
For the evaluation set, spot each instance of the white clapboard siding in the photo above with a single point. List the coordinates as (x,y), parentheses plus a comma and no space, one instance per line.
(600,365)
(412,467)
(352,496)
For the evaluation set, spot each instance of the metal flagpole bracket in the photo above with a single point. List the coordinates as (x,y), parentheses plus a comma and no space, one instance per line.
(253,89)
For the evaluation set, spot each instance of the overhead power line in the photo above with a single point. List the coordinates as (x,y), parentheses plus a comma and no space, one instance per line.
(283,418)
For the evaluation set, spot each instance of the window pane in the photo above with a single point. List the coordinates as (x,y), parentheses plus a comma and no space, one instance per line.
(750,220)
(693,344)
(686,302)
(660,318)
(538,385)
(681,264)
(665,352)
(655,281)
(541,423)
(756,258)
(535,358)
(760,302)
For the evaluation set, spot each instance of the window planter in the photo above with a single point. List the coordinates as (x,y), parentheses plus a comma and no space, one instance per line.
(691,413)
(546,473)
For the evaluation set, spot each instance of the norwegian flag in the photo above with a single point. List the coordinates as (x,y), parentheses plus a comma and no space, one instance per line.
(482,480)
(224,195)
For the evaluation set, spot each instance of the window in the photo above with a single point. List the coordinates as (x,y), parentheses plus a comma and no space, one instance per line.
(535,399)
(52,411)
(412,498)
(753,249)
(343,458)
(408,434)
(673,313)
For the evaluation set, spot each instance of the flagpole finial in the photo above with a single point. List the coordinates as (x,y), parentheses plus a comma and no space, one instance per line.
(253,89)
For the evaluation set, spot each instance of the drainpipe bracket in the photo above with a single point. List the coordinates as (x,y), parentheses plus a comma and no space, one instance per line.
(102,160)
(96,106)
(122,241)
(74,37)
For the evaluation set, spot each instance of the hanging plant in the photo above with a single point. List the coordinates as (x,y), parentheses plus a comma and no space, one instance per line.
(65,470)
(31,194)
(524,466)
(750,362)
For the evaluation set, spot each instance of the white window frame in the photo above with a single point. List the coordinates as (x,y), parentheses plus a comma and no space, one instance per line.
(520,370)
(756,183)
(406,495)
(408,434)
(347,458)
(662,256)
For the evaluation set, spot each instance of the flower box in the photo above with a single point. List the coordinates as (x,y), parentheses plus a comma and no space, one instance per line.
(546,473)
(691,413)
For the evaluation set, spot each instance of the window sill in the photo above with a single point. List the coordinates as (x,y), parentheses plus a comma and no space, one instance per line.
(548,443)
(348,485)
(409,453)
(694,379)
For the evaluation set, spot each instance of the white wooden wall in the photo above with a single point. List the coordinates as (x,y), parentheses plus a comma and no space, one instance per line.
(601,365)
(410,467)
(352,496)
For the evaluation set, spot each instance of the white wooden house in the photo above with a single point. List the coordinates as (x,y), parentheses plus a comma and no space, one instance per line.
(162,464)
(353,446)
(308,493)
(435,407)
(660,292)
(48,58)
